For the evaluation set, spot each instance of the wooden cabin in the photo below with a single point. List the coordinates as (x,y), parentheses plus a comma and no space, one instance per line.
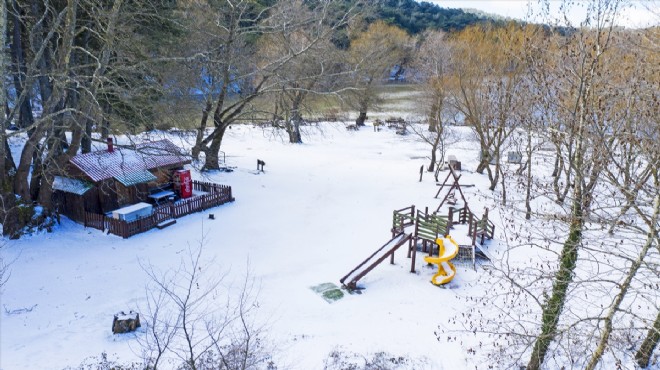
(103,181)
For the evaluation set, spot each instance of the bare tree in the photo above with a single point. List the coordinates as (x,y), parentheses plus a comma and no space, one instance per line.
(585,50)
(372,54)
(583,298)
(317,68)
(486,75)
(244,74)
(432,61)
(634,158)
(191,318)
(81,62)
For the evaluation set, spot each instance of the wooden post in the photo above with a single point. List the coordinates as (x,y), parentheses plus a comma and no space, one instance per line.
(421,173)
(470,224)
(410,245)
(414,254)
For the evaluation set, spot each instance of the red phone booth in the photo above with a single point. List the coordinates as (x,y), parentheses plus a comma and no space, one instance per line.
(183,183)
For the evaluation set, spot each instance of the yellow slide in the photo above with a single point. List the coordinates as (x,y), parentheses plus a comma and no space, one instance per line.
(446,269)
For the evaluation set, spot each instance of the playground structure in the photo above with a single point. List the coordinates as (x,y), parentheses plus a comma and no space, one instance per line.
(428,231)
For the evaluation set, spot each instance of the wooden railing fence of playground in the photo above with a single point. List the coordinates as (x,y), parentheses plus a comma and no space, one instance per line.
(215,195)
(402,218)
(431,226)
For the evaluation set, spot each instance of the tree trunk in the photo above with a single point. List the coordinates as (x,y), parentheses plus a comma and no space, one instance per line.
(105,124)
(202,128)
(88,124)
(25,117)
(434,117)
(45,196)
(362,117)
(21,186)
(293,129)
(494,177)
(557,168)
(102,64)
(37,172)
(211,153)
(528,190)
(501,172)
(485,160)
(86,139)
(560,192)
(438,129)
(554,306)
(623,290)
(293,124)
(9,213)
(643,355)
(8,159)
(433,159)
(363,106)
(568,258)
(4,149)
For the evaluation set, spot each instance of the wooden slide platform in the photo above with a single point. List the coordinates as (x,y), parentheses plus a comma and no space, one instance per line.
(388,249)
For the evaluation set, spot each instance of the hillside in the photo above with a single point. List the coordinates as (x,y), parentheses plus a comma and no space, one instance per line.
(416,17)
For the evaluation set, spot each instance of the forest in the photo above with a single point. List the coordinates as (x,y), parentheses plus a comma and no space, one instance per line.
(76,72)
(96,68)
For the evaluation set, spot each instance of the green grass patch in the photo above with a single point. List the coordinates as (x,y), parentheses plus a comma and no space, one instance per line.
(328,291)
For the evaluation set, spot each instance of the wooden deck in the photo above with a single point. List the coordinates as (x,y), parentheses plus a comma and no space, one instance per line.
(212,195)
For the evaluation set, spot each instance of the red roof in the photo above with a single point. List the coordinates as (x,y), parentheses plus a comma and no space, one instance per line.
(101,165)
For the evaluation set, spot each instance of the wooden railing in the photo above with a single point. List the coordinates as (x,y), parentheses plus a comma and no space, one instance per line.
(462,215)
(483,228)
(215,196)
(429,227)
(480,228)
(402,218)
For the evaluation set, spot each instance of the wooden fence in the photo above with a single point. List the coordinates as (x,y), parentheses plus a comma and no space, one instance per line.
(215,196)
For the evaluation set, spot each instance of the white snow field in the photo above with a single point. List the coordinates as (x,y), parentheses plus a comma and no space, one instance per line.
(319,210)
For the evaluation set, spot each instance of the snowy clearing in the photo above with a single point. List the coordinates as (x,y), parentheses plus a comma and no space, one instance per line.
(319,209)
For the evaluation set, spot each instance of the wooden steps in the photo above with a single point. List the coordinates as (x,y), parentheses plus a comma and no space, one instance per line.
(165,223)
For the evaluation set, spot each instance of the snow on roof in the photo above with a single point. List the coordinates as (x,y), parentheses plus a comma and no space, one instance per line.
(133,178)
(71,185)
(101,165)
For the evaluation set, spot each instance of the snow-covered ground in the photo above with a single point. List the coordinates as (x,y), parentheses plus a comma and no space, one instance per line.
(319,209)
